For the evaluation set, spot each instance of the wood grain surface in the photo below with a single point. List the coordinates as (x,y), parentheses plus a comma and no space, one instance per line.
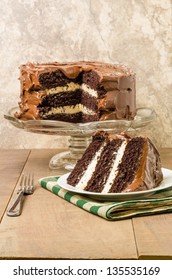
(52,228)
(12,163)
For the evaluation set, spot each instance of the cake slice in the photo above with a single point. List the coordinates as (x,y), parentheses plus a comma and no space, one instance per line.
(115,164)
(76,92)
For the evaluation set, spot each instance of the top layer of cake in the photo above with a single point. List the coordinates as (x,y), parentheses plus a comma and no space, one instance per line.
(111,87)
(30,72)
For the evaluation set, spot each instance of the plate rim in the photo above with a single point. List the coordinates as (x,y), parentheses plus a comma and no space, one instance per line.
(106,195)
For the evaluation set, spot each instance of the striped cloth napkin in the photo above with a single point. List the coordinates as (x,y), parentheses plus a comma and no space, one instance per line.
(159,202)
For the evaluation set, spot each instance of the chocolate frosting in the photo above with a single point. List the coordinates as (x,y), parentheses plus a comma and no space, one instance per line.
(117,81)
(153,172)
(149,174)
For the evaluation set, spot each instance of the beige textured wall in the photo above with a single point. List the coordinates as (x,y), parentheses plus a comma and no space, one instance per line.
(133,32)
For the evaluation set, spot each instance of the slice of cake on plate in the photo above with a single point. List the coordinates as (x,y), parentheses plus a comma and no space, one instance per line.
(76,92)
(115,164)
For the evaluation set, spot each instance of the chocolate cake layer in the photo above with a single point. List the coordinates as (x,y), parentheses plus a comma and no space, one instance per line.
(56,79)
(87,157)
(92,79)
(113,86)
(74,118)
(129,165)
(104,165)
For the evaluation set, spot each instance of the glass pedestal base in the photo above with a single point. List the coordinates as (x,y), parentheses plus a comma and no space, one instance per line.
(80,133)
(68,159)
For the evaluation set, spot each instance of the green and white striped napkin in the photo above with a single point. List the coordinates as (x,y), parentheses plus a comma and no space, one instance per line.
(160,202)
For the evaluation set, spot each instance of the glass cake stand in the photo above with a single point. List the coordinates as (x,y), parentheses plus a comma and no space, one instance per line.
(80,133)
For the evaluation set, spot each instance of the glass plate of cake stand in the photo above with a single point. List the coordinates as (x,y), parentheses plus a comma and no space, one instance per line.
(80,133)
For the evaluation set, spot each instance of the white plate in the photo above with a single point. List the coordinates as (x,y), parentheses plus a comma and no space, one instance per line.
(166,183)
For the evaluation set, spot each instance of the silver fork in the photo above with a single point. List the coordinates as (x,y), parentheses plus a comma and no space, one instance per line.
(26,186)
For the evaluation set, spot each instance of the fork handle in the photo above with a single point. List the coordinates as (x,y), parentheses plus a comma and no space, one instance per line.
(16,207)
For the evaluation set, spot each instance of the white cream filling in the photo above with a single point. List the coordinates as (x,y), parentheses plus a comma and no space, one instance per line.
(72,87)
(114,170)
(71,110)
(90,170)
(89,90)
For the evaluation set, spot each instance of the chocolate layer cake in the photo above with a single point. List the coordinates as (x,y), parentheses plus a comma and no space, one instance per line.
(115,164)
(76,92)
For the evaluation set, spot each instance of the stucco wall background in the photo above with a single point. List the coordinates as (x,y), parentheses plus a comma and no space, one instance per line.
(133,32)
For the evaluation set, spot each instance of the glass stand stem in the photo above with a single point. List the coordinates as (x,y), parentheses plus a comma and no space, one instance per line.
(68,159)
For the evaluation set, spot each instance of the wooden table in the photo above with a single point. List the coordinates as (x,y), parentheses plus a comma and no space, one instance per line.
(52,228)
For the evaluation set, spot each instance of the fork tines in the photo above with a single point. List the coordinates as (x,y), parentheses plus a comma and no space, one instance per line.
(27,182)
